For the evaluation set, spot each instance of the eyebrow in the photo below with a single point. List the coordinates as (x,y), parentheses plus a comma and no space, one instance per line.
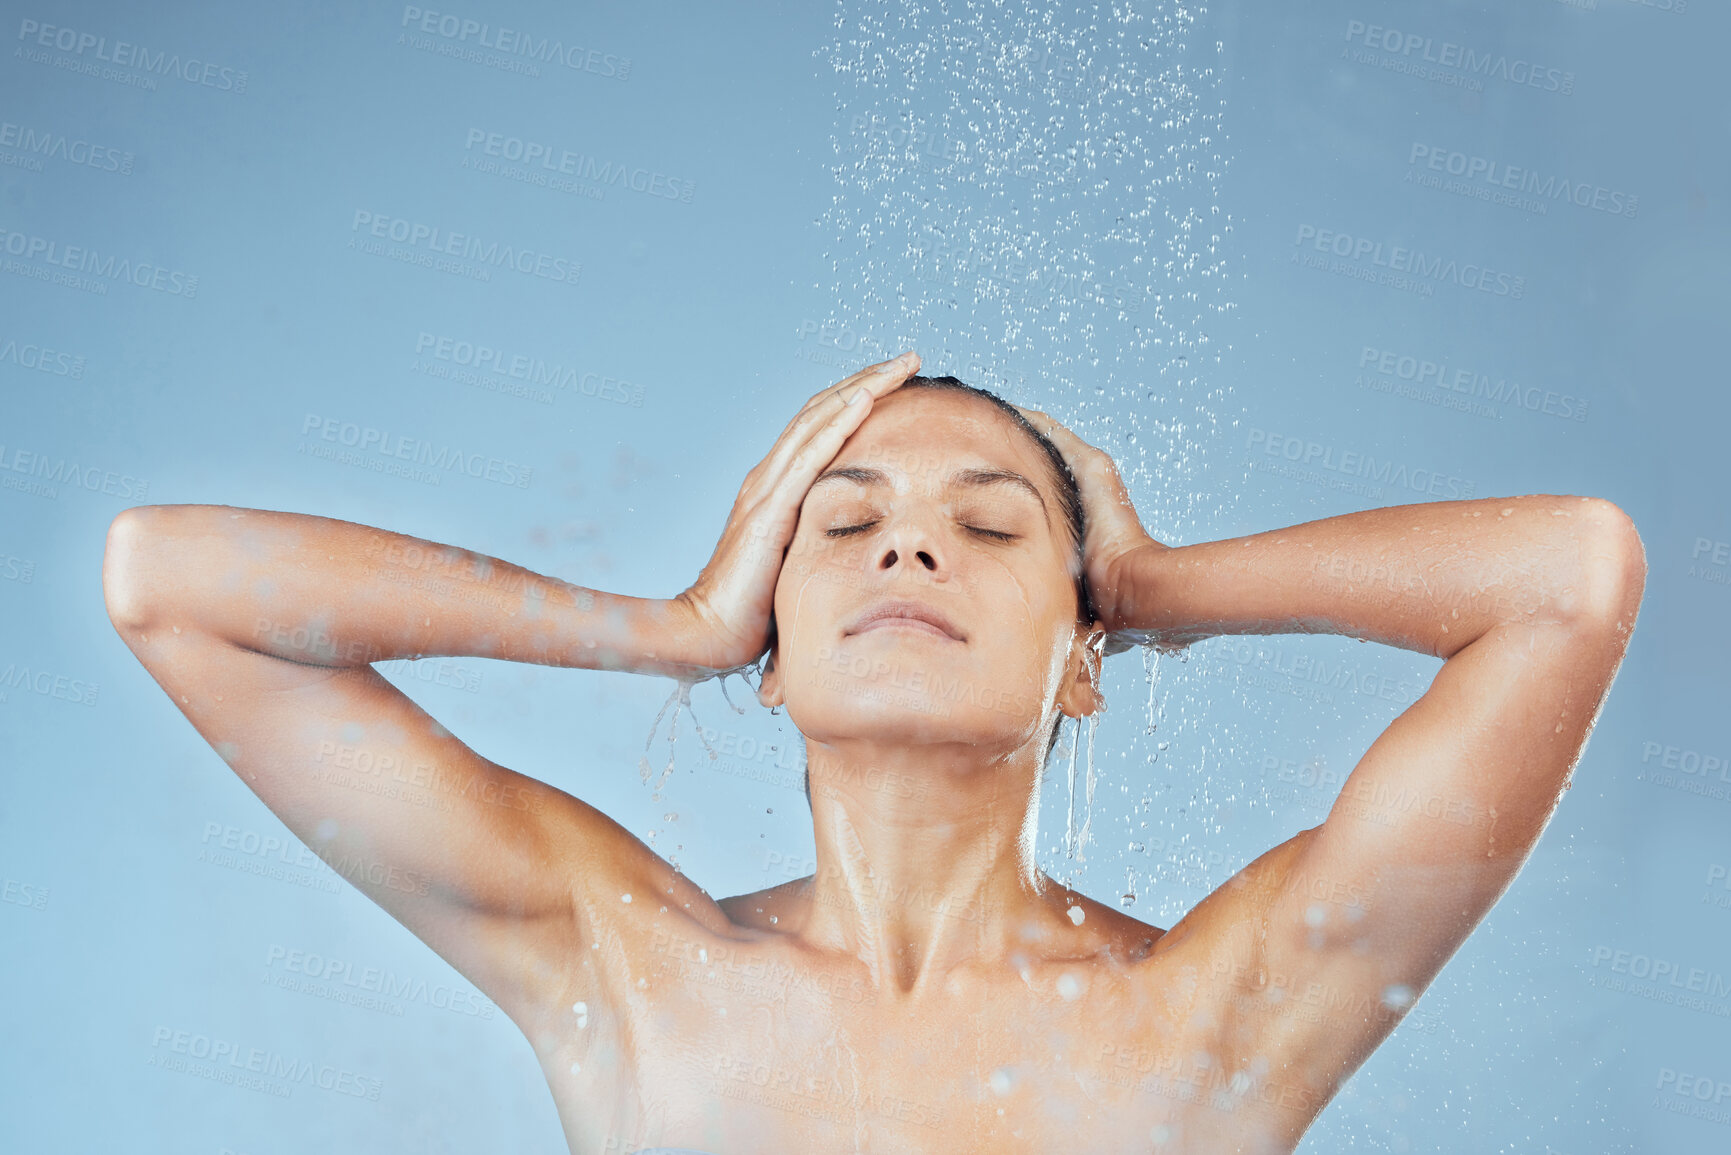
(967,478)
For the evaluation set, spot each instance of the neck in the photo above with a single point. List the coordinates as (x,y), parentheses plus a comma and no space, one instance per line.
(926,860)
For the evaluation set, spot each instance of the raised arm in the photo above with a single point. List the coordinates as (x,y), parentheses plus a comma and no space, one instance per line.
(1530,600)
(335,594)
(261,626)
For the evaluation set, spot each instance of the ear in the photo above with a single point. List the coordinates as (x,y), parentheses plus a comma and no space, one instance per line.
(1080,694)
(769,684)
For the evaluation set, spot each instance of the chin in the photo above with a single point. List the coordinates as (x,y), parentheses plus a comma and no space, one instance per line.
(912,686)
(905,704)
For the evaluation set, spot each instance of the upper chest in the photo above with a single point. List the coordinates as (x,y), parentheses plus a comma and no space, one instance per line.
(692,1038)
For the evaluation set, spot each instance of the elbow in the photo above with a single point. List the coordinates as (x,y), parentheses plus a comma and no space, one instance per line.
(124,590)
(1614,567)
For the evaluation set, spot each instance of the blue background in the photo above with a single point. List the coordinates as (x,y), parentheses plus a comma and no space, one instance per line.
(1102,212)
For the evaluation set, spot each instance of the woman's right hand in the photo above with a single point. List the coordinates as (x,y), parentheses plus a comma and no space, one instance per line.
(727,610)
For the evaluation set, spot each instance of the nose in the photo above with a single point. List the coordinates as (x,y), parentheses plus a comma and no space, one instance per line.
(912,545)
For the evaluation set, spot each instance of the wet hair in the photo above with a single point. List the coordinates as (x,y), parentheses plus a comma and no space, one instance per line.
(1069,505)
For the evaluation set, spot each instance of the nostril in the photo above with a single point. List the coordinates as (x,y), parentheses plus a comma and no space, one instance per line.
(926,560)
(889,559)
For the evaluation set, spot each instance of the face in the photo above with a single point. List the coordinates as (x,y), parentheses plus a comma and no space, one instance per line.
(938,507)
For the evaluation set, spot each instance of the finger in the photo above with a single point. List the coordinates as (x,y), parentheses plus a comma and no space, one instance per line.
(1102,484)
(1085,460)
(904,365)
(823,402)
(821,448)
(1074,449)
(885,378)
(872,383)
(1054,430)
(777,499)
(828,391)
(825,438)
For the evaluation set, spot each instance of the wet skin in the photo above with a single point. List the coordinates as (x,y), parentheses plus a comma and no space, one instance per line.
(929,988)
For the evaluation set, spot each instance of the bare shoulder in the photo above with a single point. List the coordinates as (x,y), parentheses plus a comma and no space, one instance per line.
(1106,932)
(773,908)
(1223,932)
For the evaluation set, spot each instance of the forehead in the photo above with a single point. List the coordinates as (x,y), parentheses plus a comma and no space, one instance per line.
(928,434)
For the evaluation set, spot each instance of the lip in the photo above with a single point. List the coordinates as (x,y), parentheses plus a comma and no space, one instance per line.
(906,615)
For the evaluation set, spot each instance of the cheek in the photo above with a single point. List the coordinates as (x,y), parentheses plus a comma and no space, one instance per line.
(1026,637)
(811,554)
(806,595)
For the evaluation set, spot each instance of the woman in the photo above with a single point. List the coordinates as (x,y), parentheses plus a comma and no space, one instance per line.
(928,575)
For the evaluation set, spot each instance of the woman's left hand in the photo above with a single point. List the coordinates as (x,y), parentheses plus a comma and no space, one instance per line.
(1115,534)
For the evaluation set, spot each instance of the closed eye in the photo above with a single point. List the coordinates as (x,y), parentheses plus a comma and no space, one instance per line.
(850,530)
(990,534)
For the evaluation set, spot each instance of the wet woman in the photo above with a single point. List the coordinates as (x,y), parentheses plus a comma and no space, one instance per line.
(927,578)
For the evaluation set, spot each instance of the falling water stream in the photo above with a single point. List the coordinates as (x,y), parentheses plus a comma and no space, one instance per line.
(1030,196)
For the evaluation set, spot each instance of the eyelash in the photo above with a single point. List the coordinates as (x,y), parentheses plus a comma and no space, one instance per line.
(850,530)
